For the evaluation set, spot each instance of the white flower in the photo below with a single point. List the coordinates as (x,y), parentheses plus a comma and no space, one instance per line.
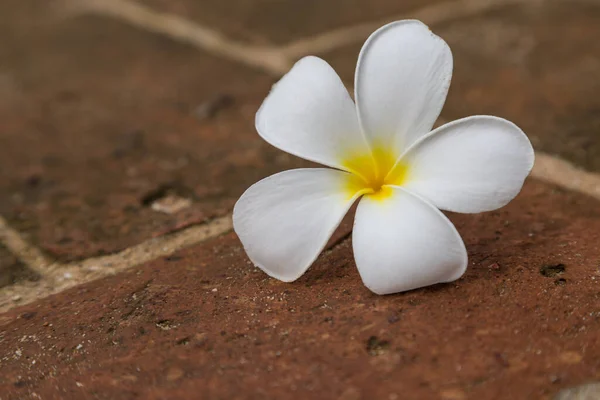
(383,152)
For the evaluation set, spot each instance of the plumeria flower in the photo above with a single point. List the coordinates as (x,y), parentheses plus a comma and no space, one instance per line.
(381,150)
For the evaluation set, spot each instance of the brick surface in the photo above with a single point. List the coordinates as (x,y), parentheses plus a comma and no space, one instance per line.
(281,21)
(521,324)
(536,66)
(106,129)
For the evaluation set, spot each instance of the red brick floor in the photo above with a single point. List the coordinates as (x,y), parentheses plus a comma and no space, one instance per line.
(100,119)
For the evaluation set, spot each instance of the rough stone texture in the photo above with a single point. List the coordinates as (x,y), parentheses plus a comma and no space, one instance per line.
(281,21)
(537,66)
(204,322)
(100,121)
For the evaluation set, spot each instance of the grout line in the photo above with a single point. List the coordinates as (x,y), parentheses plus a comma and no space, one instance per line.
(26,292)
(151,249)
(277,60)
(57,277)
(562,173)
(430,15)
(28,254)
(267,58)
(272,59)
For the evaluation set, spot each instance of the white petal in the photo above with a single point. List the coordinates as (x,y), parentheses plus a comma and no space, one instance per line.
(285,220)
(310,114)
(403,243)
(471,165)
(402,79)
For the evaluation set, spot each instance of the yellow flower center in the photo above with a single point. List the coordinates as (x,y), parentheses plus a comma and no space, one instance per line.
(374,172)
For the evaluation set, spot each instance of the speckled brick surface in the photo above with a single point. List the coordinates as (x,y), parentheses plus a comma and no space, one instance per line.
(521,324)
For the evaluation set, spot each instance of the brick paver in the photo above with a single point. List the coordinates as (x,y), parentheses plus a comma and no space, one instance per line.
(111,118)
(281,21)
(533,64)
(521,324)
